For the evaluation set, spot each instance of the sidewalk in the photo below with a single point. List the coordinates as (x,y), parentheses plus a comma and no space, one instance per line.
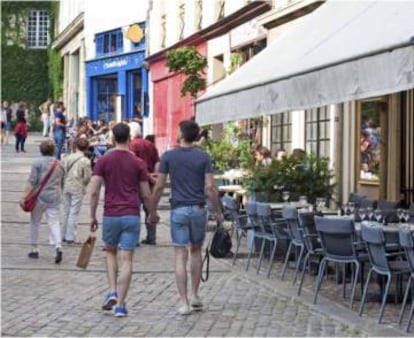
(40,298)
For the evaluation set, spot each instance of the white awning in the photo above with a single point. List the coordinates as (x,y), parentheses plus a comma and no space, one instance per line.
(342,51)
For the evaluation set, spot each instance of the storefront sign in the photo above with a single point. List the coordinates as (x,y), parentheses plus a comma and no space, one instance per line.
(114,64)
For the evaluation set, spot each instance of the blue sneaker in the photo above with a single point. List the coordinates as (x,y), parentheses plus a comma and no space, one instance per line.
(120,311)
(110,301)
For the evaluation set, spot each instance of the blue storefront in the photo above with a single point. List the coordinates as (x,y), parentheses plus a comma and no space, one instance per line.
(116,80)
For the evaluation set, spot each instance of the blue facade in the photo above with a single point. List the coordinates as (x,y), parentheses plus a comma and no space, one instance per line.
(116,75)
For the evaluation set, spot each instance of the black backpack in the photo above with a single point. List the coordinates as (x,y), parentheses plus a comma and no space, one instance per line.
(221,243)
(219,248)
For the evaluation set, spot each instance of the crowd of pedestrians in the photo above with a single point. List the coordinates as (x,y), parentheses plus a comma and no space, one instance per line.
(117,156)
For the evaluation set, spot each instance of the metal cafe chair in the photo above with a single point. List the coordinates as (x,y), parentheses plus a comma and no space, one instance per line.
(239,220)
(312,242)
(290,215)
(337,240)
(381,263)
(407,242)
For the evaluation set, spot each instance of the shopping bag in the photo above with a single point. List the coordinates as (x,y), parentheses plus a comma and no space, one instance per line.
(86,252)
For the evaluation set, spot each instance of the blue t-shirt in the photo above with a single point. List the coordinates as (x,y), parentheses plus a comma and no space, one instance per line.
(59,115)
(187,168)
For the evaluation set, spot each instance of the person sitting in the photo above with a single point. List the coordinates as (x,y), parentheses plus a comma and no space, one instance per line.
(263,156)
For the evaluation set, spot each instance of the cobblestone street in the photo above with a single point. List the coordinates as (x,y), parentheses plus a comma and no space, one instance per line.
(40,298)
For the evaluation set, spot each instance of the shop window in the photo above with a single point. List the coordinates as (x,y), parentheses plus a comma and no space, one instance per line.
(109,42)
(281,132)
(38,29)
(371,159)
(317,131)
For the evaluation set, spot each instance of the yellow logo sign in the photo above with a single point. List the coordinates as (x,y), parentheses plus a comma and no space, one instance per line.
(135,33)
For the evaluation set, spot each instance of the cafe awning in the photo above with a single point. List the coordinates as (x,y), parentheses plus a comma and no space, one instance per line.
(344,50)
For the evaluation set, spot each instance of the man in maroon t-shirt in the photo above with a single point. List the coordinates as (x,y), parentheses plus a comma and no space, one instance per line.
(146,151)
(126,184)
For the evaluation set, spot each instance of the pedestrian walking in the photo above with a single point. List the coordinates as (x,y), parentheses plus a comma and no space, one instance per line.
(78,173)
(191,175)
(126,185)
(20,133)
(48,201)
(59,129)
(7,115)
(146,151)
(45,116)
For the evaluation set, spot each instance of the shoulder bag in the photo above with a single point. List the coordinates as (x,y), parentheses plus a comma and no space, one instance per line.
(30,200)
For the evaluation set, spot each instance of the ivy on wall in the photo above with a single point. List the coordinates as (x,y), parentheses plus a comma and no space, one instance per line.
(25,72)
(189,61)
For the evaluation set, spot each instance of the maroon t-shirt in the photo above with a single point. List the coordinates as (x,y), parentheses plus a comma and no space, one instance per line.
(145,150)
(122,172)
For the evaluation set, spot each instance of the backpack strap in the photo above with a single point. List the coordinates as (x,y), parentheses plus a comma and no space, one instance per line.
(206,261)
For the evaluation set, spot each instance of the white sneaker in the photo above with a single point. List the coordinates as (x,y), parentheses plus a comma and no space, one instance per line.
(196,304)
(184,310)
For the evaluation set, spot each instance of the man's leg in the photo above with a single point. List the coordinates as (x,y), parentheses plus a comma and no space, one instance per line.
(111,267)
(65,214)
(196,266)
(75,206)
(125,275)
(181,257)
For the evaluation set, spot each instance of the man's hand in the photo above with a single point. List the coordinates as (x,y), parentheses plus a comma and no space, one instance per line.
(219,218)
(153,219)
(94,224)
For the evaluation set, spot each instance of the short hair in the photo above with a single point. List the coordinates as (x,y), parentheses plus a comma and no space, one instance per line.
(189,130)
(150,137)
(47,148)
(135,129)
(82,143)
(121,132)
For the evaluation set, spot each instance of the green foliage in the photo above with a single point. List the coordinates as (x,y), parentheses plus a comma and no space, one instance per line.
(189,61)
(232,151)
(236,60)
(55,72)
(309,175)
(24,71)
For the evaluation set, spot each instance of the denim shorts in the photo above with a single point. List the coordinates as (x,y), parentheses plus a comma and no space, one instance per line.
(121,231)
(188,225)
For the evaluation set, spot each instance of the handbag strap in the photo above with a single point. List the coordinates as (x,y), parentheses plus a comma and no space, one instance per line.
(206,260)
(46,179)
(73,163)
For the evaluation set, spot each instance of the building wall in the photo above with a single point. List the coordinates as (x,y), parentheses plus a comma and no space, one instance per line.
(105,15)
(68,11)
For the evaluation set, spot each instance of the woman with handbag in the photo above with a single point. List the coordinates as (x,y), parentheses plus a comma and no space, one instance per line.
(45,185)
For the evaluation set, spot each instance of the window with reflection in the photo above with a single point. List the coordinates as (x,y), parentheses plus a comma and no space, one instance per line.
(281,132)
(371,138)
(317,131)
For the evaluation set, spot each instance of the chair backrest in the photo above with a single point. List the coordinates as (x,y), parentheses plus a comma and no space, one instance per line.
(251,211)
(374,238)
(390,215)
(310,235)
(388,205)
(407,242)
(356,198)
(291,216)
(231,207)
(337,237)
(264,213)
(366,203)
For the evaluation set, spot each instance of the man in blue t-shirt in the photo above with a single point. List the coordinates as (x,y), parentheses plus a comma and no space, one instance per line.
(59,129)
(191,175)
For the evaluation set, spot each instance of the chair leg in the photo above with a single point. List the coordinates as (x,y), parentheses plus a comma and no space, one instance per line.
(355,281)
(239,237)
(271,258)
(302,249)
(286,262)
(250,255)
(404,303)
(410,318)
(364,294)
(302,275)
(261,255)
(343,280)
(384,298)
(319,279)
